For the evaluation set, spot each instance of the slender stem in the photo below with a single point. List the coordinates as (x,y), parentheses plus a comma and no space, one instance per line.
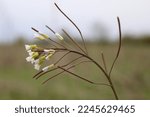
(67,70)
(57,43)
(54,34)
(41,73)
(61,58)
(50,29)
(56,75)
(119,47)
(35,29)
(82,77)
(77,45)
(75,27)
(104,62)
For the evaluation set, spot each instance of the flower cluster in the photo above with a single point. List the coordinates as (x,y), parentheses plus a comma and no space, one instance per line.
(37,56)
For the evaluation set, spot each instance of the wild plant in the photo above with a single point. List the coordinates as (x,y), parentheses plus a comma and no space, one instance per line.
(39,55)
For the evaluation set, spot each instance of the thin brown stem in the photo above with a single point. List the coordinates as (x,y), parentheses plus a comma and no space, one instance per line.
(37,74)
(55,33)
(77,45)
(119,47)
(82,77)
(63,71)
(61,58)
(35,29)
(75,27)
(41,73)
(50,29)
(104,62)
(57,43)
(56,75)
(49,38)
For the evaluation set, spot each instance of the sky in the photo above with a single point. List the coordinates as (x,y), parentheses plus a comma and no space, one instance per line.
(95,18)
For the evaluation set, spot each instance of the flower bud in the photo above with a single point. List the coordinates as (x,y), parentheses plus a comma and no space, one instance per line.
(59,36)
(47,67)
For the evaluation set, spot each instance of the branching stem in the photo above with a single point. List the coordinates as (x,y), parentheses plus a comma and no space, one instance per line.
(86,52)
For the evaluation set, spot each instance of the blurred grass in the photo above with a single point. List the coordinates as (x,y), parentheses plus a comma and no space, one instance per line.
(131,75)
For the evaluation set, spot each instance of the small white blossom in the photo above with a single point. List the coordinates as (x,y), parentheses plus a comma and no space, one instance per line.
(28,59)
(27,47)
(32,61)
(36,61)
(30,53)
(37,66)
(59,36)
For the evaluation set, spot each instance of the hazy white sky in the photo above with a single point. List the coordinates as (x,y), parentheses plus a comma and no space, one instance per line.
(17,16)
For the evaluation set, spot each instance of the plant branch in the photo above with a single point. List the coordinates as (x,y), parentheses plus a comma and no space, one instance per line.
(82,77)
(98,65)
(61,58)
(62,71)
(104,62)
(41,73)
(77,45)
(119,47)
(56,75)
(50,29)
(86,52)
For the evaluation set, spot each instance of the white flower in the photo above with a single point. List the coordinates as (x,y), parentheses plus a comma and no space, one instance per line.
(59,36)
(37,66)
(28,59)
(27,47)
(32,61)
(36,61)
(30,53)
(47,67)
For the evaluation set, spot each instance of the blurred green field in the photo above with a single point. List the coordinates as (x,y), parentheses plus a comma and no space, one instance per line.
(131,75)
